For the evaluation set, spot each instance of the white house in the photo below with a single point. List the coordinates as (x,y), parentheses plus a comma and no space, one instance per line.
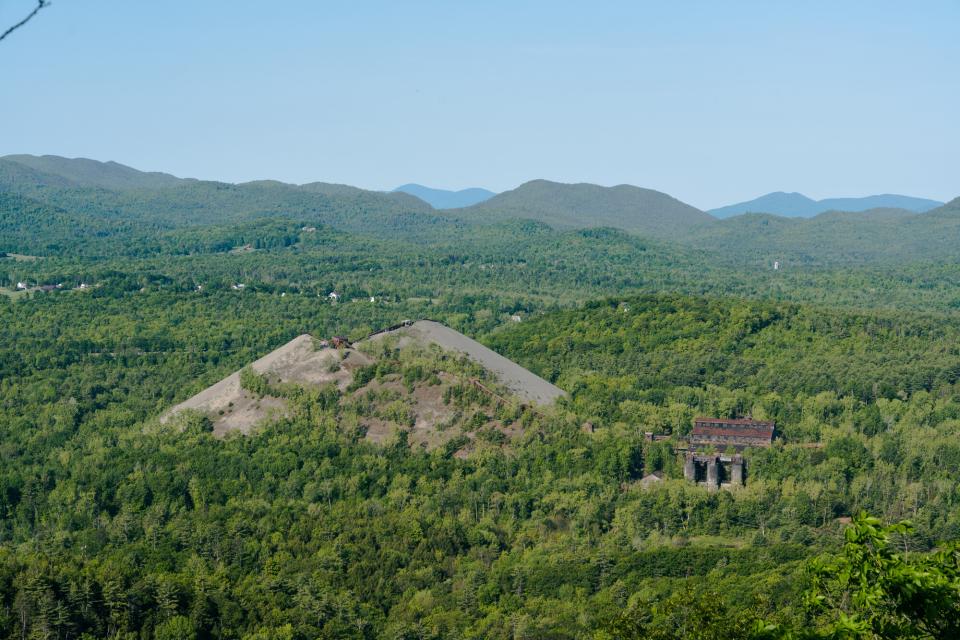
(239,287)
(22,286)
(334,296)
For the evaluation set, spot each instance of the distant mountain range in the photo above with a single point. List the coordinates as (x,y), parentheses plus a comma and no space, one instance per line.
(47,197)
(163,199)
(578,206)
(57,206)
(797,205)
(444,199)
(873,236)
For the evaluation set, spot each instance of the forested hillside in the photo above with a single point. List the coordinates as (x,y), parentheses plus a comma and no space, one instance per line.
(565,206)
(87,199)
(549,525)
(116,523)
(83,172)
(881,236)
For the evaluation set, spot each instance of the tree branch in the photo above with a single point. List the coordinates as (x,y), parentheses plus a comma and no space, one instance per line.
(41,4)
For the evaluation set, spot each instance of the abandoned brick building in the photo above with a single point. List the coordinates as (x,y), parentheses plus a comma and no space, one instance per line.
(708,459)
(720,433)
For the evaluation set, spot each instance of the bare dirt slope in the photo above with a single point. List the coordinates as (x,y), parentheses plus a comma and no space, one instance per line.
(231,408)
(417,389)
(525,384)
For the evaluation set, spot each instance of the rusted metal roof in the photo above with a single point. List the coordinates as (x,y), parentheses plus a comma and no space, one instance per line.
(737,428)
(732,433)
(734,421)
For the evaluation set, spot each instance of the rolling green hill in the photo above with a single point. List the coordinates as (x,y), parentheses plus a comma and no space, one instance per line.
(879,236)
(55,206)
(33,227)
(578,206)
(196,203)
(84,172)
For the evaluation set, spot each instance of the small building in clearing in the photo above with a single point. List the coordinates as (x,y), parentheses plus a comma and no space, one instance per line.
(651,479)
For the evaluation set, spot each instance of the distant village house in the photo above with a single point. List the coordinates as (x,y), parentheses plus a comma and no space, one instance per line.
(651,479)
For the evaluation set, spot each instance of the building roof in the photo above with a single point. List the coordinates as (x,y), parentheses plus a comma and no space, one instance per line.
(734,421)
(740,428)
(650,479)
(732,433)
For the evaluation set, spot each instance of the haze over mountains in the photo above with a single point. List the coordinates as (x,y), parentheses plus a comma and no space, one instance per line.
(797,205)
(877,236)
(444,199)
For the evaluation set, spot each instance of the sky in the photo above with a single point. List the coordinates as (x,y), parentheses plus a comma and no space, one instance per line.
(711,102)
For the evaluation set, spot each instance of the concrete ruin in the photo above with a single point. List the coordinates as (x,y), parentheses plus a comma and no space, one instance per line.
(705,466)
(714,470)
(740,434)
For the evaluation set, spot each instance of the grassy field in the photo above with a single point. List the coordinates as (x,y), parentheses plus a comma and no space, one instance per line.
(11,293)
(19,257)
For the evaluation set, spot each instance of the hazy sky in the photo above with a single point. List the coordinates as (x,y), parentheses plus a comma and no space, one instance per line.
(712,102)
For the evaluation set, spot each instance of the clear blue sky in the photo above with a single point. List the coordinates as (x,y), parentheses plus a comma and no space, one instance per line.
(712,102)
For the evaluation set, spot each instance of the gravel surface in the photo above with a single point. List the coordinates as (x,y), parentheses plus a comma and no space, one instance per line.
(233,409)
(527,386)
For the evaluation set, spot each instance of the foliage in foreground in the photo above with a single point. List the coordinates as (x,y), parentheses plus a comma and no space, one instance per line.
(870,591)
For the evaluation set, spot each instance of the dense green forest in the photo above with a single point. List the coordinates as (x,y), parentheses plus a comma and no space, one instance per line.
(113,525)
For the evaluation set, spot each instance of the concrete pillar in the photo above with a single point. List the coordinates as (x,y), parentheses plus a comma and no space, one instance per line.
(713,475)
(736,471)
(690,468)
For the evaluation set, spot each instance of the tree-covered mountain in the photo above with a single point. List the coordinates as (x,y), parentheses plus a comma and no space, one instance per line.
(797,205)
(446,199)
(83,172)
(55,214)
(198,203)
(549,524)
(880,236)
(578,206)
